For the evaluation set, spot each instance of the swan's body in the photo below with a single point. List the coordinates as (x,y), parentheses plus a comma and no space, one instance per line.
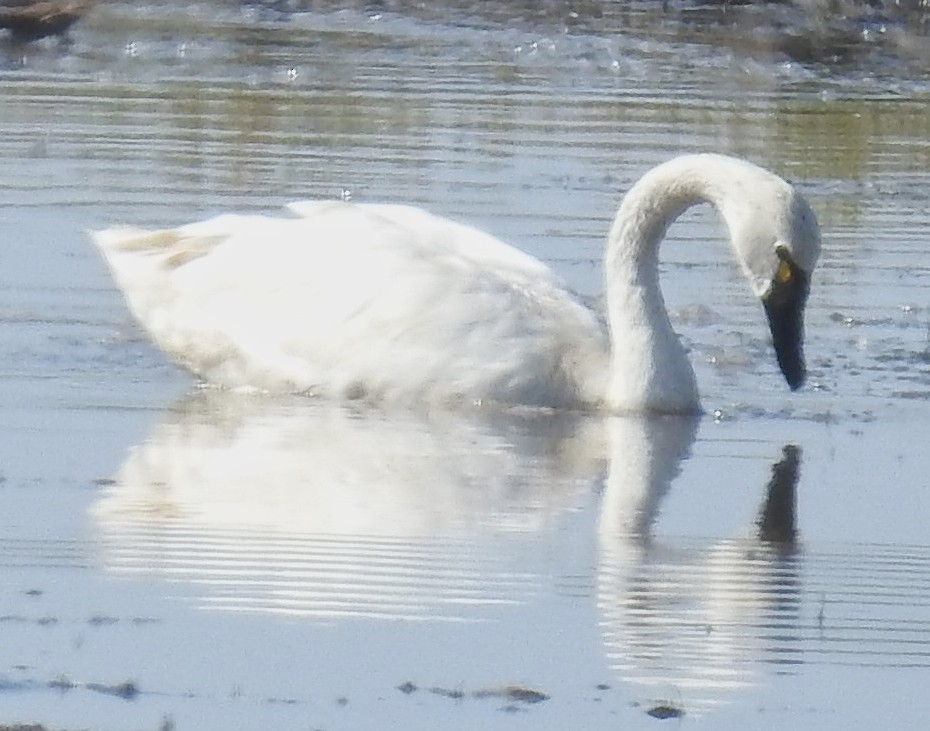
(393,303)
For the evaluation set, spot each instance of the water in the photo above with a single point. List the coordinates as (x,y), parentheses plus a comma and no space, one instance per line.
(289,564)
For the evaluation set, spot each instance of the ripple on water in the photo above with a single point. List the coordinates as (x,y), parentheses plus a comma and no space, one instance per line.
(713,619)
(529,120)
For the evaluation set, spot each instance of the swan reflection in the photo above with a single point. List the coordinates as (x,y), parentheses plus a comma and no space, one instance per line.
(296,507)
(695,619)
(308,508)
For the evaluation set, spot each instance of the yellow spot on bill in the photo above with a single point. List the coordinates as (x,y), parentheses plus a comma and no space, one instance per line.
(783,275)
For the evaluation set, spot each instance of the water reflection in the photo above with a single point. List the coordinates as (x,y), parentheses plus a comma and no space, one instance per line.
(693,620)
(333,515)
(319,511)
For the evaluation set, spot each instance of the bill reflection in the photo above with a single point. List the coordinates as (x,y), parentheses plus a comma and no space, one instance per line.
(323,512)
(692,619)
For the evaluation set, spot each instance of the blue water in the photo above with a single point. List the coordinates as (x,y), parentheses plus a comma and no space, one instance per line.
(285,564)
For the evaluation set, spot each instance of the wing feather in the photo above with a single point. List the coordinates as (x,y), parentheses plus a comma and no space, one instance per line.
(353,299)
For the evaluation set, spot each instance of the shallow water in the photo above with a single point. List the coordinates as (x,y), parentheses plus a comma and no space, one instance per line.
(282,563)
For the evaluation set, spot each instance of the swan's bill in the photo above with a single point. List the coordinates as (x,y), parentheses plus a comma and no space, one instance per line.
(784,306)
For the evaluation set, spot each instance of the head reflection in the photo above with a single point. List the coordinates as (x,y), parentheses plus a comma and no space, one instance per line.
(694,620)
(324,512)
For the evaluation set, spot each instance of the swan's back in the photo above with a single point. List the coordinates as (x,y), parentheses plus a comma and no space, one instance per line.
(374,301)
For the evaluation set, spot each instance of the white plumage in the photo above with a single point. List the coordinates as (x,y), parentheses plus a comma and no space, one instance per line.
(392,303)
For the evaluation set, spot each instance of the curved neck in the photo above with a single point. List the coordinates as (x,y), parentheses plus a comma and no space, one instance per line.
(650,369)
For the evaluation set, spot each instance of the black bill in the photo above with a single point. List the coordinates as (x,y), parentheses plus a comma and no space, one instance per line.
(784,306)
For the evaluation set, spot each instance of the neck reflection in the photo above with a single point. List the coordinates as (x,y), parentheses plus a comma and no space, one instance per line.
(696,619)
(335,514)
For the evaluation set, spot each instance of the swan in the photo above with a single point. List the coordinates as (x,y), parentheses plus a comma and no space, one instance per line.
(391,303)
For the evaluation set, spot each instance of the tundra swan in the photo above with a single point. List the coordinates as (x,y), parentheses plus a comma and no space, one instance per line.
(389,302)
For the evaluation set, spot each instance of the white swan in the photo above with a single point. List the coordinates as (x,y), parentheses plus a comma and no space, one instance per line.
(392,303)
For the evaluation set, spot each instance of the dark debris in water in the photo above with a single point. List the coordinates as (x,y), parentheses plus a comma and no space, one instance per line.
(101,620)
(454,693)
(912,395)
(513,694)
(40,621)
(664,711)
(145,620)
(407,688)
(275,701)
(62,684)
(128,690)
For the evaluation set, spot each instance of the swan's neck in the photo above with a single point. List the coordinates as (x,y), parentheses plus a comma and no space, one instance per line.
(650,369)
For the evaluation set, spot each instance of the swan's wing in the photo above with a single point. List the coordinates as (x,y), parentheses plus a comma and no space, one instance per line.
(444,234)
(360,300)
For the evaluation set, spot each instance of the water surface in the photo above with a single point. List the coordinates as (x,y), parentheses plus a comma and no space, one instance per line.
(283,563)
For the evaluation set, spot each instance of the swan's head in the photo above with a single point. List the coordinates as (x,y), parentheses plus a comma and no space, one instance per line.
(775,236)
(777,239)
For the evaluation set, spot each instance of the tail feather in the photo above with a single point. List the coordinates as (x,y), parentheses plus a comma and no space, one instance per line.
(172,246)
(126,238)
